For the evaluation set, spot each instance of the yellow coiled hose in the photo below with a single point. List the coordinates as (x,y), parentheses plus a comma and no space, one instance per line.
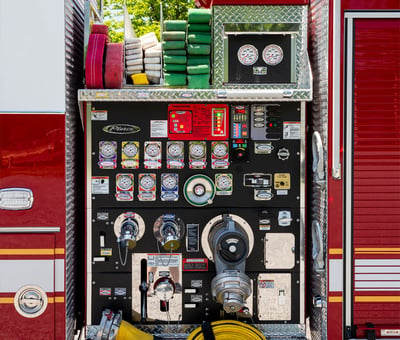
(229,330)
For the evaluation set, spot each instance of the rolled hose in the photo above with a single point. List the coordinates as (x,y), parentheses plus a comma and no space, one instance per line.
(229,330)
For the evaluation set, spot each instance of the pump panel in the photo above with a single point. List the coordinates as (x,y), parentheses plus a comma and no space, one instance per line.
(195,211)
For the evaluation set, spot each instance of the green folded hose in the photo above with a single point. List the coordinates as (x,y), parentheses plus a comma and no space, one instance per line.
(199,38)
(175,25)
(199,15)
(199,49)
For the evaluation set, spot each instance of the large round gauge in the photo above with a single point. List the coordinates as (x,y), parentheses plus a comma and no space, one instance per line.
(107,149)
(130,149)
(220,150)
(247,54)
(147,182)
(170,181)
(175,150)
(197,150)
(272,54)
(152,149)
(124,182)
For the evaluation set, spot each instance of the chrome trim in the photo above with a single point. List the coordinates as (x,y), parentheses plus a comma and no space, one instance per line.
(88,213)
(348,249)
(29,230)
(336,91)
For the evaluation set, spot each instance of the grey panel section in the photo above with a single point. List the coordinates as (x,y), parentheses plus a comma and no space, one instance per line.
(74,22)
(319,52)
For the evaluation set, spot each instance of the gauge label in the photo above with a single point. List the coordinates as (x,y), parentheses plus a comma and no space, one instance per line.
(158,128)
(257,180)
(100,185)
(247,54)
(272,54)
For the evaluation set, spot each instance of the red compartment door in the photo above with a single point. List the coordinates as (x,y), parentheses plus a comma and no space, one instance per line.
(373,171)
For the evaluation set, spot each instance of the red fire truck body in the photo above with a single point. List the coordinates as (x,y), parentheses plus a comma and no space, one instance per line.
(355,56)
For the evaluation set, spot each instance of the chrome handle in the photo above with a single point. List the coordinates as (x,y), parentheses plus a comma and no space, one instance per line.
(317,246)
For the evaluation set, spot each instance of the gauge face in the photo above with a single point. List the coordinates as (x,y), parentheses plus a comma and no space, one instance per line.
(175,150)
(130,149)
(147,182)
(223,182)
(153,149)
(197,150)
(107,149)
(169,181)
(124,182)
(272,54)
(247,54)
(220,150)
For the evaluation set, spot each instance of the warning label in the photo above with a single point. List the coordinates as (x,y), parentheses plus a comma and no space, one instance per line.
(291,130)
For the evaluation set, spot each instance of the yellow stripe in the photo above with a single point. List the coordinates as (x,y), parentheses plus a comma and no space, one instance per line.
(335,299)
(10,300)
(335,251)
(377,249)
(56,251)
(377,252)
(377,298)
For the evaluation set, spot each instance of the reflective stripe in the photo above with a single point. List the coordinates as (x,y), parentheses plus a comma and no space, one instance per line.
(377,298)
(10,300)
(373,262)
(334,299)
(24,251)
(335,251)
(335,275)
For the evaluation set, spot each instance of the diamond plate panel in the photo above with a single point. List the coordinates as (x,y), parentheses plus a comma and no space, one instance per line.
(262,14)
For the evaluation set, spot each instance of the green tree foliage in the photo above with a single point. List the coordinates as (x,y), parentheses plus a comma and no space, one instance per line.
(145,15)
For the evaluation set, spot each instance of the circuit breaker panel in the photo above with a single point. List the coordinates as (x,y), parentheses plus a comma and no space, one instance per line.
(195,211)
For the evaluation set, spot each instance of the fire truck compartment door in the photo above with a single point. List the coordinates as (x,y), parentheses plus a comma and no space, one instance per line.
(30,277)
(372,177)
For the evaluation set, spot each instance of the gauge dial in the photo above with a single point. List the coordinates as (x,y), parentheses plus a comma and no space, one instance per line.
(107,149)
(169,182)
(175,150)
(153,149)
(197,150)
(220,150)
(272,54)
(130,149)
(124,182)
(247,54)
(147,182)
(224,182)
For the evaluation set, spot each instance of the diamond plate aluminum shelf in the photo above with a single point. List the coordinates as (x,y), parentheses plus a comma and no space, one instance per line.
(185,95)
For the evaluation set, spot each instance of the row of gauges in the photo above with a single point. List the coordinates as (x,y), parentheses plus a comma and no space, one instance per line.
(198,190)
(175,154)
(248,54)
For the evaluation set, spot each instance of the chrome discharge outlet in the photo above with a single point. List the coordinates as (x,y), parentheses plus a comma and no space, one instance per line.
(230,246)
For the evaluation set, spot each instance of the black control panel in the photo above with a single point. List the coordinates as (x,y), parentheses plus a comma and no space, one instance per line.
(195,211)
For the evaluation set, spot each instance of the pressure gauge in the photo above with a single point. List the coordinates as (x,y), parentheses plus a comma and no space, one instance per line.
(247,54)
(124,182)
(175,150)
(220,150)
(130,149)
(169,181)
(272,54)
(197,150)
(147,182)
(107,149)
(153,149)
(224,182)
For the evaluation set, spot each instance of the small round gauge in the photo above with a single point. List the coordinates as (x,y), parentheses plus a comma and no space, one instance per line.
(147,182)
(224,182)
(152,149)
(175,150)
(199,190)
(124,182)
(130,149)
(247,54)
(107,149)
(197,150)
(169,181)
(272,54)
(220,150)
